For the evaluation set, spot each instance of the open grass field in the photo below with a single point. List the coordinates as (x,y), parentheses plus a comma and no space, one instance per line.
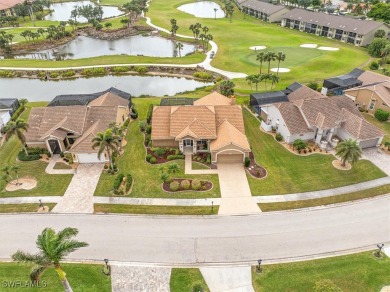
(147,182)
(184,280)
(48,185)
(82,278)
(290,173)
(358,272)
(154,210)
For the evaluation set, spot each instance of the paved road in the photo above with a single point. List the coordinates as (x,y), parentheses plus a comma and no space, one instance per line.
(219,239)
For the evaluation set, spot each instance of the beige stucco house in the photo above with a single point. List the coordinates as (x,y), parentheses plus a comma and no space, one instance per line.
(6,7)
(72,128)
(212,125)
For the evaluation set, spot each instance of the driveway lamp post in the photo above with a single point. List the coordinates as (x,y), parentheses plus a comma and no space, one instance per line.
(258,267)
(215,13)
(106,268)
(212,206)
(379,251)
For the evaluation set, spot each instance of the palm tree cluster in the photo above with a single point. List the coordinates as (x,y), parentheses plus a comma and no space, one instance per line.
(174,27)
(228,9)
(268,57)
(258,78)
(201,33)
(52,32)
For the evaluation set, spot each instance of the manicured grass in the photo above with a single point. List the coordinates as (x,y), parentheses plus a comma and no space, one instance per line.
(61,165)
(155,210)
(184,280)
(82,277)
(48,185)
(245,31)
(290,173)
(326,201)
(20,208)
(384,126)
(196,165)
(358,272)
(147,182)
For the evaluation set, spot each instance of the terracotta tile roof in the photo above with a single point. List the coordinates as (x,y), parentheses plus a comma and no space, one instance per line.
(84,143)
(160,123)
(369,77)
(213,98)
(303,93)
(197,130)
(358,127)
(232,113)
(227,134)
(109,99)
(293,118)
(6,4)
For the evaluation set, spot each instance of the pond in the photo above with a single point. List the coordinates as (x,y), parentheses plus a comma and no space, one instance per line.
(63,10)
(203,9)
(86,47)
(40,90)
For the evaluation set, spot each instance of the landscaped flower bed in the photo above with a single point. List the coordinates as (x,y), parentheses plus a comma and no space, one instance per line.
(181,184)
(158,155)
(204,158)
(254,169)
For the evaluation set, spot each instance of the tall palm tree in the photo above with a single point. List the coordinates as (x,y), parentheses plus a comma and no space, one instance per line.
(265,78)
(269,57)
(53,247)
(257,79)
(16,129)
(179,47)
(348,150)
(249,79)
(280,57)
(274,79)
(385,52)
(107,142)
(260,58)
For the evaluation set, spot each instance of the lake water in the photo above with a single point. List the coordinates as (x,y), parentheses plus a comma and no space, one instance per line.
(86,47)
(63,10)
(39,90)
(203,9)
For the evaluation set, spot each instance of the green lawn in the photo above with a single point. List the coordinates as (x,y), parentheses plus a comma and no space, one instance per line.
(21,208)
(326,201)
(147,182)
(384,126)
(290,173)
(82,278)
(48,185)
(184,280)
(61,165)
(155,210)
(358,272)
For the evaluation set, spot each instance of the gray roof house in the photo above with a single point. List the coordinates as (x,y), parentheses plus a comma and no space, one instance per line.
(346,29)
(264,11)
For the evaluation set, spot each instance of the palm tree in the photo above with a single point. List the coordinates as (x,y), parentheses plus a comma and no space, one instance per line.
(385,52)
(179,47)
(107,142)
(53,247)
(7,176)
(349,150)
(16,129)
(249,79)
(257,79)
(268,57)
(274,79)
(280,56)
(23,102)
(260,58)
(265,77)
(173,168)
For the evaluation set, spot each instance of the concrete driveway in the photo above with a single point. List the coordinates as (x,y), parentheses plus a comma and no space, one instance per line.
(236,197)
(380,159)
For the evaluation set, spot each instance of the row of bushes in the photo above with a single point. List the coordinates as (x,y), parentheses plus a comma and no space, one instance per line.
(151,159)
(203,75)
(33,154)
(174,157)
(185,185)
(7,74)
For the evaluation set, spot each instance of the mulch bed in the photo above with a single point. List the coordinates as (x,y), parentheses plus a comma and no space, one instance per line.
(208,186)
(161,159)
(202,158)
(255,169)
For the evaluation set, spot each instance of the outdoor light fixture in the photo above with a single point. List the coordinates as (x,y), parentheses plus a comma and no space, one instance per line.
(106,268)
(378,253)
(258,268)
(40,203)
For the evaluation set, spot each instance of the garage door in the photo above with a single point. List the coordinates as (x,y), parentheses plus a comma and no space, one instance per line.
(230,158)
(369,143)
(89,158)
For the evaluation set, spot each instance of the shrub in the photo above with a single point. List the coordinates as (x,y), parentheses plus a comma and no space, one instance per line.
(185,184)
(69,157)
(68,73)
(142,125)
(299,144)
(54,74)
(126,123)
(62,154)
(196,184)
(279,137)
(174,186)
(17,113)
(141,69)
(203,75)
(165,177)
(374,65)
(149,114)
(208,159)
(159,152)
(382,115)
(118,181)
(120,69)
(93,71)
(174,157)
(108,24)
(39,16)
(148,129)
(153,160)
(376,47)
(41,74)
(148,157)
(23,157)
(129,182)
(247,161)
(6,73)
(313,85)
(134,113)
(148,142)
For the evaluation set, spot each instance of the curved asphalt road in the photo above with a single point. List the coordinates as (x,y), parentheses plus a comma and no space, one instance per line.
(176,241)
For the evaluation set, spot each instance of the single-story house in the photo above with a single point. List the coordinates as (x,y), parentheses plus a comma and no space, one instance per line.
(372,93)
(71,128)
(346,29)
(309,115)
(265,11)
(6,7)
(337,85)
(7,108)
(213,124)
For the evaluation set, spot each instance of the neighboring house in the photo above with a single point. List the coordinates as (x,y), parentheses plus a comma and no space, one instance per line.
(6,7)
(354,31)
(72,128)
(264,11)
(7,108)
(337,85)
(212,125)
(308,115)
(373,92)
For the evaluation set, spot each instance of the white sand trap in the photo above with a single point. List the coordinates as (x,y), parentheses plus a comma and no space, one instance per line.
(328,49)
(310,46)
(257,48)
(281,70)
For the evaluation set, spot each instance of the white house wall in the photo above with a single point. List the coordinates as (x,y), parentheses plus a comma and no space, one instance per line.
(273,116)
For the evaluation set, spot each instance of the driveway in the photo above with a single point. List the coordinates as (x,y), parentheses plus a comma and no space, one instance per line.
(78,197)
(380,159)
(236,197)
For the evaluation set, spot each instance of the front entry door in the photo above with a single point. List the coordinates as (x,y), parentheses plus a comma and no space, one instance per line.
(54,146)
(188,143)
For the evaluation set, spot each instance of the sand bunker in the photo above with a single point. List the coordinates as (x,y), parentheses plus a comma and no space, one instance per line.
(310,46)
(281,70)
(328,49)
(24,184)
(337,164)
(257,48)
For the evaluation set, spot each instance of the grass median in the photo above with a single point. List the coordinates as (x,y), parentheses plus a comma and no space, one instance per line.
(155,210)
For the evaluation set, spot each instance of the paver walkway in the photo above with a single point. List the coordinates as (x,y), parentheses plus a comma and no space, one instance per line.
(126,278)
(50,168)
(188,167)
(237,278)
(78,197)
(236,197)
(380,159)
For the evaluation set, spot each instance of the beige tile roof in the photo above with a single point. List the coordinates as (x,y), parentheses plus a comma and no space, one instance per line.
(232,113)
(229,135)
(197,130)
(213,98)
(109,99)
(359,128)
(6,4)
(293,118)
(303,93)
(369,77)
(160,123)
(84,143)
